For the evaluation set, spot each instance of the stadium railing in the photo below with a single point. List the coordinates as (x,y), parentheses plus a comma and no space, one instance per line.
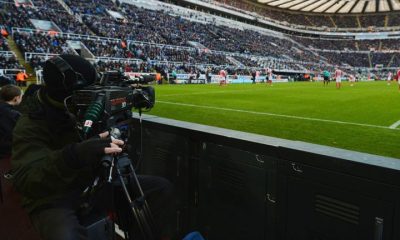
(7,54)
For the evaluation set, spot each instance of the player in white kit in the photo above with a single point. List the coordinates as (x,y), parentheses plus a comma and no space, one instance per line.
(338,77)
(352,80)
(389,78)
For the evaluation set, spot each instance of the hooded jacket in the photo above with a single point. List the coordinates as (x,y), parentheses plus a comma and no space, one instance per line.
(8,119)
(41,156)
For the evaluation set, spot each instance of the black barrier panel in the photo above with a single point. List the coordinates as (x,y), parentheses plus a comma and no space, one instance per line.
(231,192)
(247,186)
(327,205)
(271,195)
(334,198)
(166,154)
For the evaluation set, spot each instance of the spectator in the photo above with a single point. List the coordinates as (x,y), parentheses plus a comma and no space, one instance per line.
(4,32)
(10,97)
(4,80)
(21,79)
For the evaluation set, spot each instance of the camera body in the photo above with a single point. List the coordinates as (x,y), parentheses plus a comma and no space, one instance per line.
(103,105)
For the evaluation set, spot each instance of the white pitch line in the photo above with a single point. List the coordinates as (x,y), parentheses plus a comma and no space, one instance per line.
(210,92)
(395,125)
(277,115)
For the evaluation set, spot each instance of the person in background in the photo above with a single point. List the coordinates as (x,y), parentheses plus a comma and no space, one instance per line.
(327,77)
(398,78)
(253,77)
(10,97)
(4,32)
(208,75)
(338,78)
(174,77)
(389,77)
(223,75)
(352,79)
(21,79)
(269,76)
(4,80)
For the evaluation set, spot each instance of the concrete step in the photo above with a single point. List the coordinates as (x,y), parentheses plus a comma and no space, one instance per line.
(20,57)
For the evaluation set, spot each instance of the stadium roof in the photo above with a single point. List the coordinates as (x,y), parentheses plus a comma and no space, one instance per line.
(335,6)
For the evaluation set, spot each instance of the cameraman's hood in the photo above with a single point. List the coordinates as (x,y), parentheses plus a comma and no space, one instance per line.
(55,82)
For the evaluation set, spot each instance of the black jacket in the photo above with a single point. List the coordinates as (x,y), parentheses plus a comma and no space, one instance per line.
(40,157)
(8,119)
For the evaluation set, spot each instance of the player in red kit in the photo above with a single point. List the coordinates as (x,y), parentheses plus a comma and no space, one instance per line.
(398,78)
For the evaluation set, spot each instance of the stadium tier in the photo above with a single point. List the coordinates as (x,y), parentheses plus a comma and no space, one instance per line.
(162,35)
(299,13)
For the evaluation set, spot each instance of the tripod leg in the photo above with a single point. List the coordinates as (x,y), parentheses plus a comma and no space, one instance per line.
(146,207)
(141,216)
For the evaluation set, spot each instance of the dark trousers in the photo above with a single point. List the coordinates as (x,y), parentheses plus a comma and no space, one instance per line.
(63,223)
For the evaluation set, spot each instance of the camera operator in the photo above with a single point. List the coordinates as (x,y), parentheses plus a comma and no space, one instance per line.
(51,167)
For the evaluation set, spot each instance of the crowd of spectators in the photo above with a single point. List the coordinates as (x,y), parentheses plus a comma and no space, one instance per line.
(98,7)
(51,10)
(375,20)
(41,42)
(393,20)
(380,58)
(160,27)
(48,4)
(345,21)
(3,44)
(107,48)
(352,45)
(9,62)
(331,44)
(395,60)
(151,30)
(367,45)
(347,58)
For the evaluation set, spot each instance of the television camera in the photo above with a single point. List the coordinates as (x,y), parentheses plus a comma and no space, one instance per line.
(107,106)
(103,105)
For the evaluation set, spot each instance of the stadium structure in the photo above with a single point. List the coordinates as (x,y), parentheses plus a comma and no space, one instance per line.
(188,36)
(232,185)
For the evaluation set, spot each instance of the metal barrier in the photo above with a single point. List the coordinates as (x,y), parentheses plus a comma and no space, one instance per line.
(7,54)
(236,185)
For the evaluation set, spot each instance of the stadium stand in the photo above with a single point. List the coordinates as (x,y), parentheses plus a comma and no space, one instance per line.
(129,36)
(303,18)
(20,16)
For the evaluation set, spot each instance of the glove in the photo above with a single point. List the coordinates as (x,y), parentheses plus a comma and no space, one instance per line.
(91,150)
(86,153)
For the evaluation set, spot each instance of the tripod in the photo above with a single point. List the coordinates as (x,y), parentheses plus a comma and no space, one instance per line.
(133,215)
(128,208)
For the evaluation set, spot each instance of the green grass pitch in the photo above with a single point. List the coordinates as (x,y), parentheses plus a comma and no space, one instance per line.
(360,118)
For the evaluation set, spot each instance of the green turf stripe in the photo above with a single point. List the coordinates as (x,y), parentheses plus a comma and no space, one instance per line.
(278,115)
